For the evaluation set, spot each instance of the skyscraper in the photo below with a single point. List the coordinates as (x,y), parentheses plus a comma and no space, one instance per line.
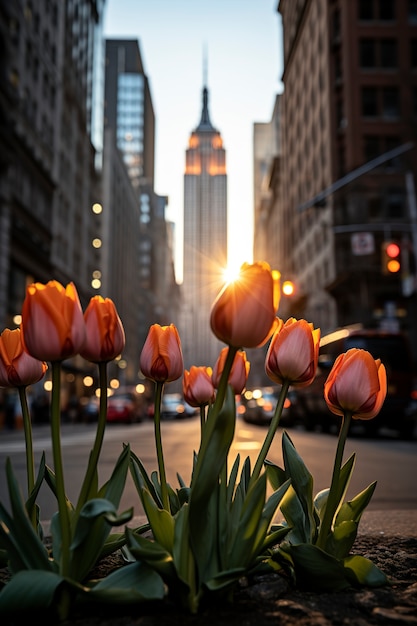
(205,238)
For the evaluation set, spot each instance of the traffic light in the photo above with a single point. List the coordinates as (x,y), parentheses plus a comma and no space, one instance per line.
(391,257)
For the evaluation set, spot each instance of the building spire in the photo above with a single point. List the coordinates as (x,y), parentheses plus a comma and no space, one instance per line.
(205,124)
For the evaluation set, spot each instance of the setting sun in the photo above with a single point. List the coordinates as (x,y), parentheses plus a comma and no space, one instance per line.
(232,271)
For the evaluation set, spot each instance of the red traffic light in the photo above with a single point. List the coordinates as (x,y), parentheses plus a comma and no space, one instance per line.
(391,262)
(393,250)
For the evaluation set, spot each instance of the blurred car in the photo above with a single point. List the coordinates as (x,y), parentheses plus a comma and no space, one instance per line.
(173,406)
(125,406)
(257,406)
(89,408)
(310,408)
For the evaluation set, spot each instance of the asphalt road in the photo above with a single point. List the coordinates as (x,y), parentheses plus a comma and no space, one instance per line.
(392,462)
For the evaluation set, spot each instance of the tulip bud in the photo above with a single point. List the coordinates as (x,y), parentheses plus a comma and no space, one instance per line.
(197,386)
(357,383)
(244,312)
(238,374)
(293,353)
(17,367)
(53,327)
(161,358)
(105,337)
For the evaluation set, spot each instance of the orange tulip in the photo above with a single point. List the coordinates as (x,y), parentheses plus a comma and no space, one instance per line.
(105,336)
(161,358)
(53,325)
(357,383)
(238,374)
(17,367)
(244,312)
(293,353)
(197,386)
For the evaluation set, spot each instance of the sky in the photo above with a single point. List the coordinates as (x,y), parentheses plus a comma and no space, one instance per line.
(242,43)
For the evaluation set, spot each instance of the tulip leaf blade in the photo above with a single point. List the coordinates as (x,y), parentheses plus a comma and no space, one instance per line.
(363,572)
(301,481)
(28,593)
(132,584)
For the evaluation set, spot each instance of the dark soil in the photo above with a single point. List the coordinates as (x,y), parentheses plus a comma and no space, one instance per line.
(270,601)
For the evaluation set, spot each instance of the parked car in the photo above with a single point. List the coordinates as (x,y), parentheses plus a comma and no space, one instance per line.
(257,406)
(393,349)
(89,408)
(173,406)
(125,406)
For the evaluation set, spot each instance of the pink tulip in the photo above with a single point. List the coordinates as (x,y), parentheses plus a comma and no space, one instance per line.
(105,337)
(197,386)
(357,383)
(244,313)
(161,358)
(293,353)
(17,367)
(53,327)
(238,374)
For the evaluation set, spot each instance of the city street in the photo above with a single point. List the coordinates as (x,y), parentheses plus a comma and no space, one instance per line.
(391,462)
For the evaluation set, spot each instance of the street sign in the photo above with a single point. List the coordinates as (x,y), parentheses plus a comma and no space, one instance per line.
(362,243)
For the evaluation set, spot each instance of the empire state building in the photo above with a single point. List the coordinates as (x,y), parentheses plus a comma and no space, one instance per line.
(205,239)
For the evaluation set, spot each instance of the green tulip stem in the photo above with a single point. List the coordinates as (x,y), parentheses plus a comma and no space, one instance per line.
(271,432)
(59,469)
(202,418)
(158,440)
(224,379)
(333,498)
(98,442)
(30,463)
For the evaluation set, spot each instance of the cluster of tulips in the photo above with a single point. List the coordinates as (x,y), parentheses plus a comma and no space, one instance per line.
(199,539)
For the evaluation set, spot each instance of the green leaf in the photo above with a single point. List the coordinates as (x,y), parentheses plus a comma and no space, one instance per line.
(160,520)
(25,549)
(141,479)
(132,584)
(341,540)
(232,479)
(93,509)
(113,489)
(362,571)
(225,579)
(315,570)
(30,591)
(295,517)
(31,501)
(241,553)
(153,554)
(344,479)
(276,475)
(353,509)
(268,513)
(302,483)
(215,445)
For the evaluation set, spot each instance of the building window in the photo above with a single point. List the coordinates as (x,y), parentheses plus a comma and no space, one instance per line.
(369,102)
(376,10)
(412,11)
(390,102)
(371,147)
(382,53)
(413,45)
(414,104)
(366,9)
(388,53)
(386,10)
(367,54)
(395,203)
